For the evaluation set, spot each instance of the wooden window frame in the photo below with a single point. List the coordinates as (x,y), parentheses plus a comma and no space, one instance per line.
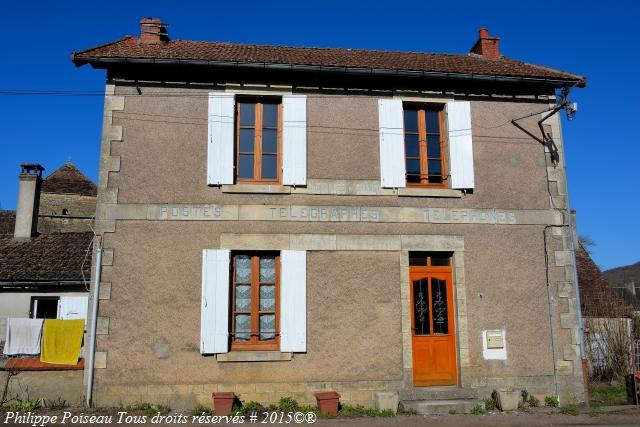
(422,143)
(254,340)
(257,141)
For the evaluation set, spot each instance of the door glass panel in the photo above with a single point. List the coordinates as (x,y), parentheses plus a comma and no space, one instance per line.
(267,327)
(421,307)
(440,260)
(243,298)
(243,327)
(439,303)
(417,259)
(243,269)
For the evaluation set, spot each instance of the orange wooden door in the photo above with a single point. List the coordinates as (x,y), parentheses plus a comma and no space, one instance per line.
(433,328)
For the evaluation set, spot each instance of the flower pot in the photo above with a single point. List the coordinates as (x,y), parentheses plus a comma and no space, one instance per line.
(328,402)
(223,402)
(507,400)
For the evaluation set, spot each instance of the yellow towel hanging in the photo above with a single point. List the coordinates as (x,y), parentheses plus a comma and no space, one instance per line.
(61,341)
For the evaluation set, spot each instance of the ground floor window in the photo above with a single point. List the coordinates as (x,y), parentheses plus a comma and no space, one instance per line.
(44,308)
(254,300)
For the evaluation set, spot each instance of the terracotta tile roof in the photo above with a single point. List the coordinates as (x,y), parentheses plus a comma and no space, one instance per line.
(47,257)
(68,179)
(597,298)
(129,48)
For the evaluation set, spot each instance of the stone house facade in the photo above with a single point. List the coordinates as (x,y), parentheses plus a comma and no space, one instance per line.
(45,266)
(281,221)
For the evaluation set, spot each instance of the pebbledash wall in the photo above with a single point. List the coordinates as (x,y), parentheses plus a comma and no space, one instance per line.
(157,214)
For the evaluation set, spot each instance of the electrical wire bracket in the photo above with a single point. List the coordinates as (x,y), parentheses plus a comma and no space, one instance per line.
(547,140)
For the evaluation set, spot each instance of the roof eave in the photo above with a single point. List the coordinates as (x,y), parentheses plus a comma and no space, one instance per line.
(106,62)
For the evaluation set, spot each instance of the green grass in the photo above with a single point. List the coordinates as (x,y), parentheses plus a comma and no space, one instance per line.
(606,395)
(490,404)
(551,401)
(25,405)
(569,410)
(148,409)
(477,410)
(200,409)
(363,411)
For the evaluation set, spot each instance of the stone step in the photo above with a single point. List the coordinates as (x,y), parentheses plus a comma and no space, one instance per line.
(441,407)
(439,393)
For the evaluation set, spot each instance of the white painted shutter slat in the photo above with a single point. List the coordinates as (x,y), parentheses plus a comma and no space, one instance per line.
(293,301)
(391,125)
(214,314)
(220,138)
(294,140)
(72,307)
(460,144)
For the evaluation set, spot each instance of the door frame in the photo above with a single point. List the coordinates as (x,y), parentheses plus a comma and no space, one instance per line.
(442,273)
(440,243)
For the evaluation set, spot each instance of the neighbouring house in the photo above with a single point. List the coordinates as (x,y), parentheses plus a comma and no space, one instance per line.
(286,220)
(609,328)
(45,263)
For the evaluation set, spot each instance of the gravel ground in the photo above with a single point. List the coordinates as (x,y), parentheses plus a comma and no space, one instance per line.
(611,416)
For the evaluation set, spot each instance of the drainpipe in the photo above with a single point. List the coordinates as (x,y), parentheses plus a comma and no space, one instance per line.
(94,324)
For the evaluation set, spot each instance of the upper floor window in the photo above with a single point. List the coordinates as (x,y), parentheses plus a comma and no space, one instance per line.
(258,145)
(424,146)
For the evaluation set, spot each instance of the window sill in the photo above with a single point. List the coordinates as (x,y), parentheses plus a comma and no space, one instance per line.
(254,356)
(429,192)
(256,188)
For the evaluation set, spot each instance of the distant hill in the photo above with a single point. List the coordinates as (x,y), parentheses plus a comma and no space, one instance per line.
(620,275)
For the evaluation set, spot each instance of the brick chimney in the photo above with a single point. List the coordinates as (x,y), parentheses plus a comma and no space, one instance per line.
(487,46)
(153,30)
(28,201)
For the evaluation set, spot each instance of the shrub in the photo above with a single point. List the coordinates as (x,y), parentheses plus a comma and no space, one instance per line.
(452,411)
(58,403)
(490,404)
(363,411)
(251,407)
(288,404)
(569,410)
(200,409)
(477,410)
(551,401)
(25,405)
(533,401)
(148,409)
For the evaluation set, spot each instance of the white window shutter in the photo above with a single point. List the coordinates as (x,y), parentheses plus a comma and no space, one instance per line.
(392,162)
(294,140)
(293,301)
(214,315)
(220,138)
(460,144)
(72,307)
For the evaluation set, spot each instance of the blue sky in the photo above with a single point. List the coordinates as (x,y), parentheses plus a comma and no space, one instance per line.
(596,39)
